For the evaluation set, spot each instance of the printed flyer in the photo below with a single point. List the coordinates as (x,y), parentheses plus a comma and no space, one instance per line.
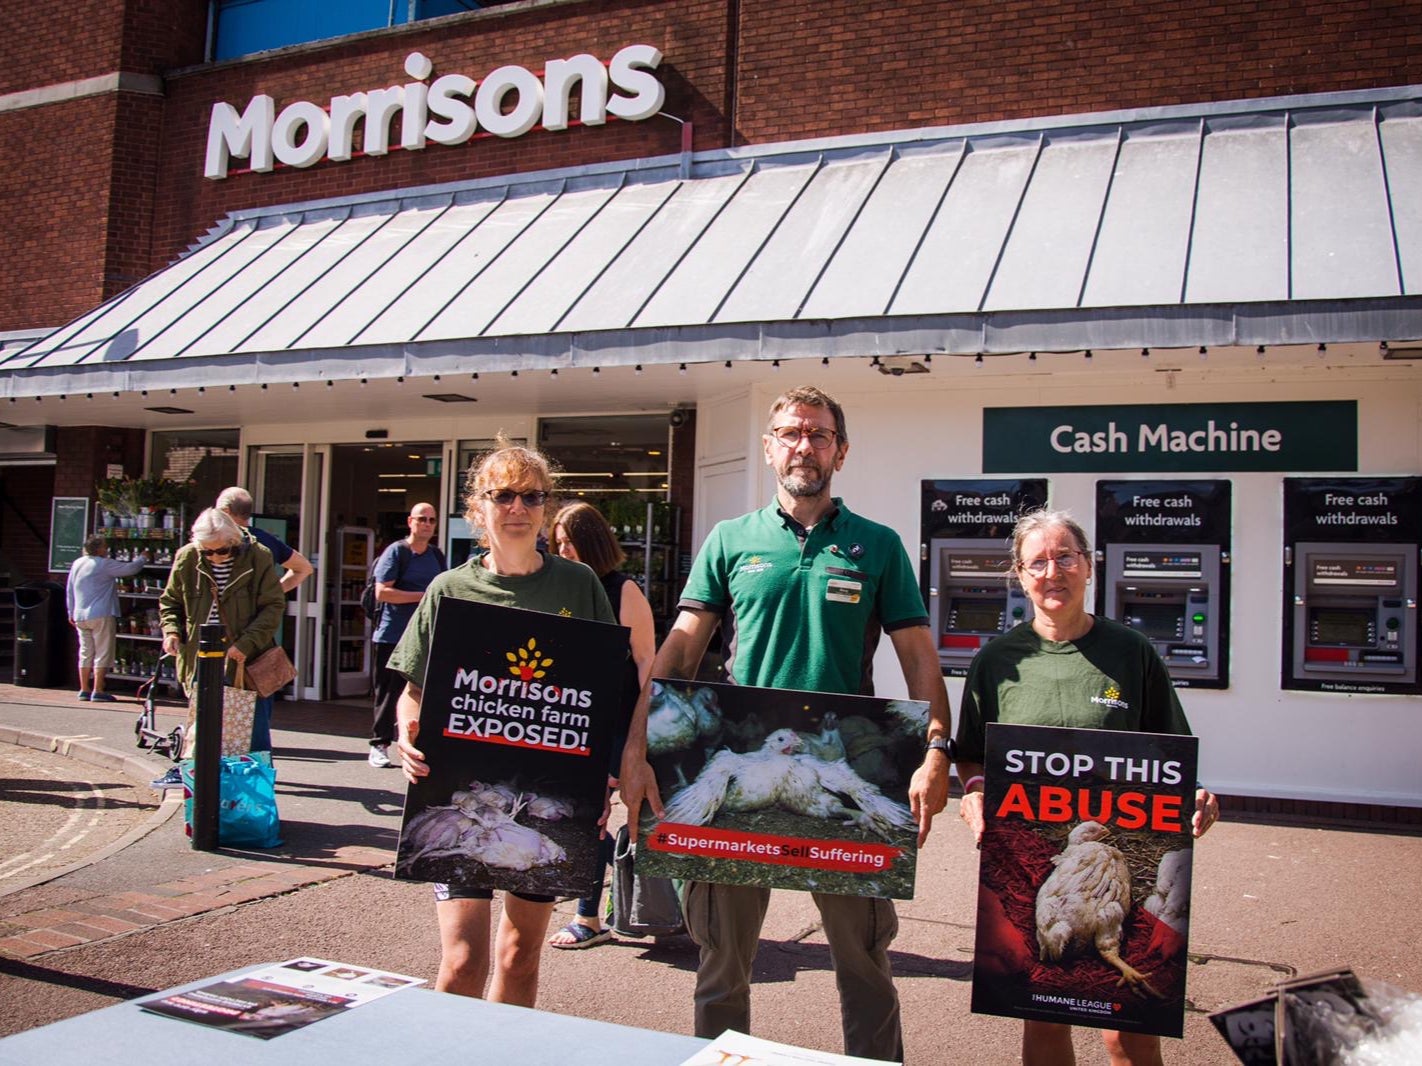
(279,998)
(1084,883)
(787,789)
(516,723)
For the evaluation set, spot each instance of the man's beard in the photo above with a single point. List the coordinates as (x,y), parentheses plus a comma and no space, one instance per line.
(804,481)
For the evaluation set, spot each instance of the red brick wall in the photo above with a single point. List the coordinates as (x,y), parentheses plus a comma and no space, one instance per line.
(54,203)
(812,68)
(44,44)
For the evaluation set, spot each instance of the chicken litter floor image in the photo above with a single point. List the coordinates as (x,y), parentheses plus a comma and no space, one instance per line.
(787,789)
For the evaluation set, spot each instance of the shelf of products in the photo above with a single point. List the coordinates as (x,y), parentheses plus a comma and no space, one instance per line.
(653,558)
(138,629)
(351,652)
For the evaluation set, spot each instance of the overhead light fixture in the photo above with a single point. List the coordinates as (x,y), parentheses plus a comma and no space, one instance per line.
(637,369)
(775,364)
(1031,357)
(450,397)
(1414,352)
(824,360)
(597,370)
(899,365)
(681,369)
(1145,353)
(169,410)
(978,361)
(1087,353)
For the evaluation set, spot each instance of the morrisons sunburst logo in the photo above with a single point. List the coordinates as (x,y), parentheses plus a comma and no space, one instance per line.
(527,662)
(1112,692)
(1111,697)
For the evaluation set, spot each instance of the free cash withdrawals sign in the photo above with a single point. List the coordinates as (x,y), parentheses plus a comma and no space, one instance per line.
(1084,881)
(516,723)
(783,788)
(1307,435)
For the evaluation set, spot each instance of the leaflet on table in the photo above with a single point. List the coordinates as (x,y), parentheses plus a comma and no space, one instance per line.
(737,1049)
(517,718)
(782,788)
(281,997)
(1084,881)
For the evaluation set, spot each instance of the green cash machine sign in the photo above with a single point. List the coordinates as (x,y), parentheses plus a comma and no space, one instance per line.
(1313,436)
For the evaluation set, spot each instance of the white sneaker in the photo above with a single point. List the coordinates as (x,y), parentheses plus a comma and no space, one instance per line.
(379,756)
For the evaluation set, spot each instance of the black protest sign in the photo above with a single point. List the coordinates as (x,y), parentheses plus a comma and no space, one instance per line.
(517,719)
(1084,883)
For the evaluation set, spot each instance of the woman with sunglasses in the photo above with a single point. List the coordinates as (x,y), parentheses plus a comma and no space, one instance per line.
(506,502)
(1053,671)
(581,533)
(225,577)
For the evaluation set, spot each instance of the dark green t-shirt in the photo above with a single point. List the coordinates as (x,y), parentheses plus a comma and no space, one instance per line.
(558,587)
(805,616)
(1111,678)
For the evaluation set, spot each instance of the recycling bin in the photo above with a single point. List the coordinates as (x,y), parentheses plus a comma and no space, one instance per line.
(39,633)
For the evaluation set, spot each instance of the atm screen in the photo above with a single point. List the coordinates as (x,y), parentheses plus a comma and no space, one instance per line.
(1340,627)
(975,564)
(1142,564)
(976,616)
(1158,621)
(1368,571)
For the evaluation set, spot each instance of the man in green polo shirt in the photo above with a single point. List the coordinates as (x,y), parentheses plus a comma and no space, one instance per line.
(809,587)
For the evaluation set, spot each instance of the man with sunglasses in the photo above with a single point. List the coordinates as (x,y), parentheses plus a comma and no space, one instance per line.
(810,587)
(402,573)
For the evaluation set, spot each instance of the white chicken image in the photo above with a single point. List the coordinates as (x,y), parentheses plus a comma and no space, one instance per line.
(781,774)
(1170,900)
(1083,904)
(480,824)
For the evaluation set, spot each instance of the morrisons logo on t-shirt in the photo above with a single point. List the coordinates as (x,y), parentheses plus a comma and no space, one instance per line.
(1111,698)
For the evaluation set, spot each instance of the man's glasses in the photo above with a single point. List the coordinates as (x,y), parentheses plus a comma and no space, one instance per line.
(790,437)
(208,553)
(506,497)
(1067,562)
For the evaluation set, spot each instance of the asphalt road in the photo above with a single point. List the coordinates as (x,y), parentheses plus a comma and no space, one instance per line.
(56,812)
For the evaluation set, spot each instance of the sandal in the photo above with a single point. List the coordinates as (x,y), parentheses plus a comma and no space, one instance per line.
(583,936)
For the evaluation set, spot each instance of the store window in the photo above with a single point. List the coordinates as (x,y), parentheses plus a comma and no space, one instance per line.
(207,458)
(241,27)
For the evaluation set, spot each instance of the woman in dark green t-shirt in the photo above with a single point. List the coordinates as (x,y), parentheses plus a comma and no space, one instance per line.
(1065,668)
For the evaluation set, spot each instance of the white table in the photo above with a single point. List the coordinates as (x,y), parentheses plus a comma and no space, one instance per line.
(415,1025)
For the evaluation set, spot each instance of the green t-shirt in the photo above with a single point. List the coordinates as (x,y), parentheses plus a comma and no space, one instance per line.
(805,616)
(560,586)
(1109,679)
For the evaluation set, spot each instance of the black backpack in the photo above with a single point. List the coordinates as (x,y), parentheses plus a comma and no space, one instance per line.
(368,602)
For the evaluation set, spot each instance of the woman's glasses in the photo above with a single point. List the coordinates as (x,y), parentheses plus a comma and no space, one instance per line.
(506,497)
(208,553)
(1067,562)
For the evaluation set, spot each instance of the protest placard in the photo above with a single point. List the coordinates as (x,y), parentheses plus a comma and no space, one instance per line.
(516,724)
(1084,883)
(787,789)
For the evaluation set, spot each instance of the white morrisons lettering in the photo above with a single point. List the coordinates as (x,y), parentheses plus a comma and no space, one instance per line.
(509,102)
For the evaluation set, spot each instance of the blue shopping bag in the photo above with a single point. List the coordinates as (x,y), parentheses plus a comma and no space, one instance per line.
(247,807)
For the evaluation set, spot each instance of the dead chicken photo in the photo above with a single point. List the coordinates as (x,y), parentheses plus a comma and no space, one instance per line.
(1082,904)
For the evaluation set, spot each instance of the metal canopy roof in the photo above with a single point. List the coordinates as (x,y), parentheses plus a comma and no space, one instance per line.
(1257,222)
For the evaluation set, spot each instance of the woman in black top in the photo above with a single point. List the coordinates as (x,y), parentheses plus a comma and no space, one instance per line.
(580,533)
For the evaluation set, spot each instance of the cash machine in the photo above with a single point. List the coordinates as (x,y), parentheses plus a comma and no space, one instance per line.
(965,562)
(1351,584)
(1163,552)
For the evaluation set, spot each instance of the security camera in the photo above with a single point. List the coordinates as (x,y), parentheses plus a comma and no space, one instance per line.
(677,418)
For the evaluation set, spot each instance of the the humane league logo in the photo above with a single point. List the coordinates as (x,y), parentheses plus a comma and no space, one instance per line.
(522,710)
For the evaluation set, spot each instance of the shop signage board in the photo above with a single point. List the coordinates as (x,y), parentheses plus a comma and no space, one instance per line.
(516,724)
(1107,438)
(782,788)
(1066,808)
(450,110)
(68,526)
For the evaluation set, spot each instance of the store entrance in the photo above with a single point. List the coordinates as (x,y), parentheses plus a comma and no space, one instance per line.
(373,487)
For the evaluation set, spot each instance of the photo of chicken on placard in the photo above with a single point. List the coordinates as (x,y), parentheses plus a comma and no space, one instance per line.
(787,789)
(517,716)
(1084,881)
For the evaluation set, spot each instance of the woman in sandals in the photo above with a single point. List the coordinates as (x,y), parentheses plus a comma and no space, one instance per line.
(582,534)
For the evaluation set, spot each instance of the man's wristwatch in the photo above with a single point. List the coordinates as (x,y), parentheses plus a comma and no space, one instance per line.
(945,745)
